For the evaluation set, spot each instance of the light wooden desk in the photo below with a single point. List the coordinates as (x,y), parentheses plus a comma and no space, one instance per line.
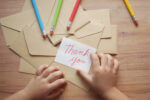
(133,45)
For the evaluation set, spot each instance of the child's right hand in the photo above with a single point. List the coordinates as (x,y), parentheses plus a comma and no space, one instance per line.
(48,83)
(104,75)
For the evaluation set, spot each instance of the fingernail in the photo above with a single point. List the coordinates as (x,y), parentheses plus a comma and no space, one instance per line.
(57,67)
(63,75)
(78,71)
(46,65)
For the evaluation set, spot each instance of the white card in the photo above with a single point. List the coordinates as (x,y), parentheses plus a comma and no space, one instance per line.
(74,54)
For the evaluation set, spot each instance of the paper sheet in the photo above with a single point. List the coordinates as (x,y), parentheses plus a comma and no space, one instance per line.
(109,45)
(18,21)
(9,34)
(76,55)
(89,29)
(19,46)
(25,67)
(107,33)
(37,45)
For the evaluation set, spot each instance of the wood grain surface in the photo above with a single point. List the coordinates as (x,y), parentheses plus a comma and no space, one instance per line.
(133,45)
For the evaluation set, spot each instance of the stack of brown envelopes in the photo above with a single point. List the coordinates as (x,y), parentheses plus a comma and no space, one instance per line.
(24,37)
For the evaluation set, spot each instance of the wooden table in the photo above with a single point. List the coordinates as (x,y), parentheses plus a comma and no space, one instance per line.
(133,45)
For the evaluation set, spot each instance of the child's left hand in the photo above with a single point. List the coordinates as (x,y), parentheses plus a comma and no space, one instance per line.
(48,83)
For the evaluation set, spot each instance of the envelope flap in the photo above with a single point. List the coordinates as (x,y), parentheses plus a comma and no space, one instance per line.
(18,21)
(10,35)
(109,45)
(19,46)
(89,29)
(107,33)
(36,44)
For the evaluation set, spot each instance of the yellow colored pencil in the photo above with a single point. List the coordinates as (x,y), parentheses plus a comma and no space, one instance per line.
(131,12)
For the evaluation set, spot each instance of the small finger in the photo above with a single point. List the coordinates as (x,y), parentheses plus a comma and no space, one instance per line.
(54,76)
(56,93)
(95,61)
(110,62)
(41,69)
(49,70)
(116,66)
(57,84)
(104,60)
(86,77)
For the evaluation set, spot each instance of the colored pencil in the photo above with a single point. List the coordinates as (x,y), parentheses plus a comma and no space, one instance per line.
(56,16)
(39,18)
(73,14)
(131,12)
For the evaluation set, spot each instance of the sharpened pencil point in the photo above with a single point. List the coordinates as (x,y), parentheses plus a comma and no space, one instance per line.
(68,28)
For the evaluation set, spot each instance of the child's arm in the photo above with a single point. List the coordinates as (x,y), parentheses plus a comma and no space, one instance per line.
(48,83)
(104,77)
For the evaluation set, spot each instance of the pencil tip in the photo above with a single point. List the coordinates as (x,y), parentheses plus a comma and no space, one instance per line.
(51,32)
(68,28)
(45,36)
(136,23)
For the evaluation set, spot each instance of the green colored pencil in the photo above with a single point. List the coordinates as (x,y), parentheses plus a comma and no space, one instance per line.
(56,16)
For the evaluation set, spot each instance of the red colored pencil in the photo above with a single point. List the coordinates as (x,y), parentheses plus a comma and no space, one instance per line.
(73,14)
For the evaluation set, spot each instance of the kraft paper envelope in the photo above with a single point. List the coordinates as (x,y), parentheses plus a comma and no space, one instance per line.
(107,33)
(25,67)
(89,29)
(109,45)
(36,44)
(19,46)
(9,35)
(98,17)
(18,21)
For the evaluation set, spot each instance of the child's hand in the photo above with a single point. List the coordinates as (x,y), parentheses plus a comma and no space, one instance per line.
(105,70)
(48,83)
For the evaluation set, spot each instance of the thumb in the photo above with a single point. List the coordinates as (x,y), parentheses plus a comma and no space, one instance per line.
(86,77)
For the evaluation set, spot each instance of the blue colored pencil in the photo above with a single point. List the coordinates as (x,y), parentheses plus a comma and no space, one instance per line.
(39,18)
